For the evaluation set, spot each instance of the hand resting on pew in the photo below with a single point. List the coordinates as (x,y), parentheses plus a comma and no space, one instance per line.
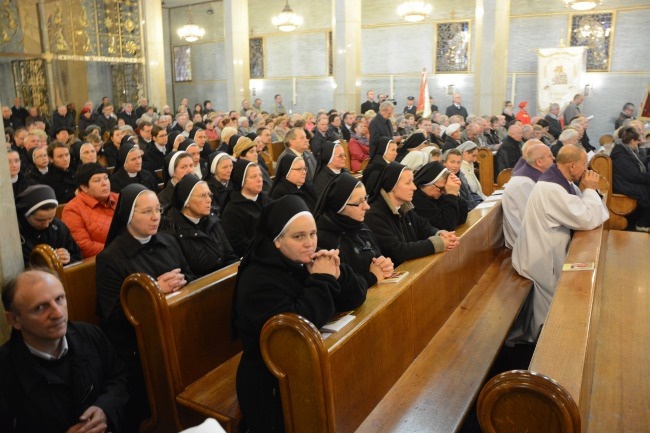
(325,262)
(449,238)
(171,281)
(382,267)
(63,255)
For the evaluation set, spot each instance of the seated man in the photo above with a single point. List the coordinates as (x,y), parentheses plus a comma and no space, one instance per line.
(510,150)
(36,209)
(538,158)
(55,376)
(555,208)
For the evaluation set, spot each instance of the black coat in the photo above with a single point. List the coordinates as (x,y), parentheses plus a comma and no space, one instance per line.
(153,159)
(305,192)
(129,119)
(402,236)
(507,156)
(452,110)
(322,178)
(379,128)
(22,183)
(106,123)
(49,396)
(62,182)
(110,152)
(356,244)
(221,193)
(370,105)
(450,143)
(628,177)
(239,219)
(371,173)
(204,245)
(57,235)
(446,213)
(268,285)
(554,126)
(121,178)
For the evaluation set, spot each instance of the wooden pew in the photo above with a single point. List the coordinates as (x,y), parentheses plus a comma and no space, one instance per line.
(275,149)
(554,393)
(619,205)
(188,356)
(504,177)
(59,210)
(78,281)
(485,161)
(334,384)
(344,145)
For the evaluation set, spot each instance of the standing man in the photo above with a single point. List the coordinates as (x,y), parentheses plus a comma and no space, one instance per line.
(573,109)
(142,108)
(129,116)
(410,106)
(257,106)
(555,208)
(553,119)
(18,114)
(370,103)
(626,114)
(55,375)
(278,107)
(456,108)
(381,127)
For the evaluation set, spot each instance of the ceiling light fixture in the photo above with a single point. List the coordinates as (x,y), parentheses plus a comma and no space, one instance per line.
(190,32)
(582,5)
(414,11)
(287,20)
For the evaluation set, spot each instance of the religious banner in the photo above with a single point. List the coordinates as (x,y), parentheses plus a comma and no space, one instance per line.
(560,73)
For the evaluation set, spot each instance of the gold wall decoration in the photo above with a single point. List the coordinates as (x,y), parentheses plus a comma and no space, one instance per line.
(10,29)
(127,83)
(595,32)
(452,47)
(30,83)
(256,53)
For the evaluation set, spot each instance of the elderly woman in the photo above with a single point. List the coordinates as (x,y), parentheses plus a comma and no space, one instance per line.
(437,198)
(135,245)
(290,179)
(197,230)
(283,273)
(384,153)
(631,175)
(188,145)
(416,159)
(331,162)
(244,206)
(129,170)
(401,233)
(451,136)
(339,217)
(87,153)
(41,163)
(220,164)
(359,145)
(177,165)
(469,152)
(568,136)
(414,142)
(89,214)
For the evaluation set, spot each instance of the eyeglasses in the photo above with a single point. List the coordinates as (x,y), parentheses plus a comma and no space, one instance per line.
(204,195)
(300,169)
(365,200)
(442,190)
(149,212)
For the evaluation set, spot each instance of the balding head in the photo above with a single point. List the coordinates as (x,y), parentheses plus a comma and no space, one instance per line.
(527,145)
(538,155)
(569,154)
(515,132)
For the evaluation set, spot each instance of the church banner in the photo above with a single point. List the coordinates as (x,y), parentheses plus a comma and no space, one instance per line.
(560,73)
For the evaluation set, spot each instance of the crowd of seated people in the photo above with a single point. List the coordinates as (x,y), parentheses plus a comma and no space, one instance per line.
(186,193)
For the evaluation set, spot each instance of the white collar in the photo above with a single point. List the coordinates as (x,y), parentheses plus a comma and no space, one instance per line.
(46,356)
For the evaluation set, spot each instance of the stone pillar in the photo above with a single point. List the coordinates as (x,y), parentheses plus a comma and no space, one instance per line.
(491,50)
(154,52)
(235,16)
(346,29)
(11,253)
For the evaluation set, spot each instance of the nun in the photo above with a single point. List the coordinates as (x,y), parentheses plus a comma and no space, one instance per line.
(129,170)
(291,179)
(87,152)
(437,197)
(197,230)
(244,206)
(283,273)
(40,164)
(331,163)
(401,233)
(188,145)
(339,214)
(452,136)
(37,223)
(415,141)
(246,149)
(383,153)
(469,152)
(416,159)
(134,245)
(177,165)
(221,165)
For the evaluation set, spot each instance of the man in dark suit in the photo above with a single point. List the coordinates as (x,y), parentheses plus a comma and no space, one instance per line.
(370,104)
(456,108)
(410,106)
(381,127)
(346,128)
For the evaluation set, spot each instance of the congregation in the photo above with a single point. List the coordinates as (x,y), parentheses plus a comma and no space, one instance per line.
(178,194)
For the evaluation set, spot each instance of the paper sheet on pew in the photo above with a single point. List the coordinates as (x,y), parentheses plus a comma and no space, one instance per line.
(336,325)
(486,204)
(494,198)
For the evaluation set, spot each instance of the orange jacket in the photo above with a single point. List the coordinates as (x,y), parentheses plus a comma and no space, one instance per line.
(89,221)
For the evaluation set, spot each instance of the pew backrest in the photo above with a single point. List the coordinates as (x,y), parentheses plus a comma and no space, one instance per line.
(619,205)
(485,161)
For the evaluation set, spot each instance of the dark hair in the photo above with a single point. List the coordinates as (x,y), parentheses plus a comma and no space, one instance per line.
(355,124)
(155,130)
(261,129)
(627,106)
(55,145)
(543,123)
(627,134)
(332,117)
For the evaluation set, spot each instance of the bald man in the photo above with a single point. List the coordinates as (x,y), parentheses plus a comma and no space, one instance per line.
(537,159)
(55,376)
(554,209)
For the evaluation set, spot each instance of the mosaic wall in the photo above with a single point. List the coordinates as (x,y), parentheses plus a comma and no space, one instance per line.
(593,31)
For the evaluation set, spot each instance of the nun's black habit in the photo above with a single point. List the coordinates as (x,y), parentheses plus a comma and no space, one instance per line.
(282,186)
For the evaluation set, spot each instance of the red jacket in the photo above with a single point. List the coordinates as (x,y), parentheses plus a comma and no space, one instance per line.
(358,154)
(89,221)
(523,117)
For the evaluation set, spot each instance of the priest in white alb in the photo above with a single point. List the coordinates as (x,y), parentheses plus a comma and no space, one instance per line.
(555,208)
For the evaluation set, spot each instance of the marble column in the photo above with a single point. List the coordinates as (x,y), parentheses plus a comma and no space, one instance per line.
(235,16)
(11,254)
(346,29)
(491,50)
(154,52)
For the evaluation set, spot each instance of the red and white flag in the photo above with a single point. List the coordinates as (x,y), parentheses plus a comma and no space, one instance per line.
(424,106)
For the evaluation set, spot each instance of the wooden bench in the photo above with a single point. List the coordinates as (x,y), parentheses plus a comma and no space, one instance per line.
(78,281)
(485,160)
(620,206)
(589,371)
(275,149)
(554,393)
(467,295)
(188,356)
